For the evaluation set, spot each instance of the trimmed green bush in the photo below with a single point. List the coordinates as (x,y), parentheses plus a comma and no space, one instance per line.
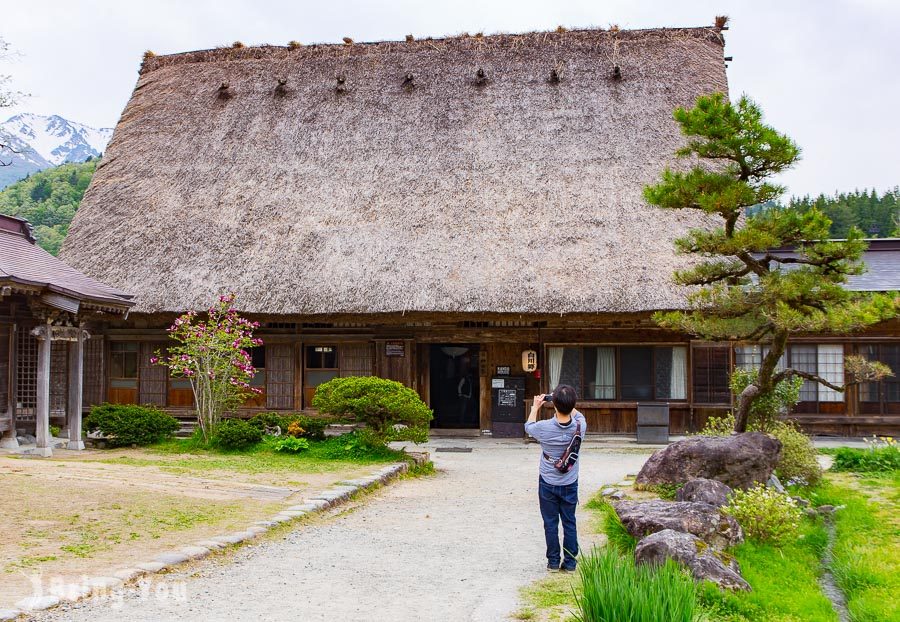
(237,434)
(127,424)
(614,589)
(764,514)
(381,404)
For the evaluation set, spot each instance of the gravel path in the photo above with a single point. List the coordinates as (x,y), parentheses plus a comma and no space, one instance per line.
(457,546)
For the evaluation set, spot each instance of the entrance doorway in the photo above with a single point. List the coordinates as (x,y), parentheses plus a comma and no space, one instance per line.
(454,386)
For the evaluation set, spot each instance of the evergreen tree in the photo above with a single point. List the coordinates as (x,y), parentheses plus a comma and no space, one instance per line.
(741,290)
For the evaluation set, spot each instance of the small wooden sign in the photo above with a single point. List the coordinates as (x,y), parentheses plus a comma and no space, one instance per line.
(394,348)
(502,370)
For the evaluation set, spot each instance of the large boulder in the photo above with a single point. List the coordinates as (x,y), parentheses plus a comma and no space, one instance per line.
(739,460)
(641,518)
(691,552)
(704,490)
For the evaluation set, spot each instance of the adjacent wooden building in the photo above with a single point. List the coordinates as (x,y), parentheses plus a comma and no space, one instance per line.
(428,211)
(47,313)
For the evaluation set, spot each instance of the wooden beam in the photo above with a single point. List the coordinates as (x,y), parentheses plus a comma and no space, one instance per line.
(73,407)
(42,412)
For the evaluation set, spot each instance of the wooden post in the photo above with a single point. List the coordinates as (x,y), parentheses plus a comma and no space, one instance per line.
(42,412)
(9,440)
(73,407)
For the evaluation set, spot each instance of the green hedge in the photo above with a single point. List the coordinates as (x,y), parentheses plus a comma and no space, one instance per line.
(390,410)
(237,434)
(874,460)
(126,424)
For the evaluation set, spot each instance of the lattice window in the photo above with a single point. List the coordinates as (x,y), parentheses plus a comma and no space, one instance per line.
(279,364)
(26,374)
(830,364)
(826,361)
(710,375)
(94,376)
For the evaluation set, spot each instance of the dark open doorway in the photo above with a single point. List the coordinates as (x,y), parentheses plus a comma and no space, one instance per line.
(454,386)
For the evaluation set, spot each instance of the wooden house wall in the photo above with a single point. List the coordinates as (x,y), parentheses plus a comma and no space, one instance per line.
(502,346)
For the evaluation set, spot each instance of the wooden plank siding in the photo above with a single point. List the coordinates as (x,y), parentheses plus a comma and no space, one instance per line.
(280,376)
(153,378)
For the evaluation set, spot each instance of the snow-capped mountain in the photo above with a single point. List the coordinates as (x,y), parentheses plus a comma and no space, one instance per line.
(37,142)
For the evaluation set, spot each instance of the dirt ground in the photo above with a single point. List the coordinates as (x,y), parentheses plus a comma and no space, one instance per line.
(456,546)
(92,512)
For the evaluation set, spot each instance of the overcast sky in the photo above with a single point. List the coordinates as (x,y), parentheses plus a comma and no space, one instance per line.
(824,71)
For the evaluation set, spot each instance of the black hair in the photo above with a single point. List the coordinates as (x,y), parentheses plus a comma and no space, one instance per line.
(564,399)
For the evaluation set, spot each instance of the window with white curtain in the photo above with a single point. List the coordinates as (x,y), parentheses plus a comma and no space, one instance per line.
(751,356)
(824,360)
(620,372)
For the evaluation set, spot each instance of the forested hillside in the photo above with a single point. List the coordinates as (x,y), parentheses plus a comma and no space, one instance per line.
(878,216)
(48,200)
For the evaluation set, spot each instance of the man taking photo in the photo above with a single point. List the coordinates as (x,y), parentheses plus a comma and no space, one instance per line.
(558,479)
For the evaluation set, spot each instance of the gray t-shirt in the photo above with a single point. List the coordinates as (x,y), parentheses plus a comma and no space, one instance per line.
(554,438)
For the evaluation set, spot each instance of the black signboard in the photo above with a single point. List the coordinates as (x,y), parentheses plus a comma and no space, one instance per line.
(507,398)
(502,370)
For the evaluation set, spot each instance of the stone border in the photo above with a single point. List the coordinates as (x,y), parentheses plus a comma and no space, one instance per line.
(313,504)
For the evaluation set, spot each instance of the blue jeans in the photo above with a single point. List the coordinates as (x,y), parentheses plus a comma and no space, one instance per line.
(559,502)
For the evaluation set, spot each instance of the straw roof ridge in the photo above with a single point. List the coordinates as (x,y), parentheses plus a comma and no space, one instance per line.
(330,180)
(429,44)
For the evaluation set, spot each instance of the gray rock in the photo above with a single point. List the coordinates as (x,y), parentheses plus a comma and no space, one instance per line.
(775,483)
(825,509)
(691,552)
(803,503)
(642,518)
(705,491)
(27,439)
(70,592)
(150,566)
(811,512)
(617,495)
(195,552)
(607,491)
(739,460)
(37,603)
(172,557)
(9,614)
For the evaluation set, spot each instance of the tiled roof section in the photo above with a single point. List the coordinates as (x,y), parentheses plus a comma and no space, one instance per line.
(23,262)
(882,260)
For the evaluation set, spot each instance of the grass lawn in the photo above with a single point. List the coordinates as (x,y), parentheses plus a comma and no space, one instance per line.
(867,542)
(785,580)
(98,510)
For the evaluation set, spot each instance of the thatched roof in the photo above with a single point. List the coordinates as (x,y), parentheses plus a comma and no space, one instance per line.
(396,176)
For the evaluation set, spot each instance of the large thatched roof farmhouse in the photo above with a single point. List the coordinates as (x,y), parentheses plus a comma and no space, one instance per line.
(427,211)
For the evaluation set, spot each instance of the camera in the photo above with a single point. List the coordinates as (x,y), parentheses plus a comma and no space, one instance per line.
(548,397)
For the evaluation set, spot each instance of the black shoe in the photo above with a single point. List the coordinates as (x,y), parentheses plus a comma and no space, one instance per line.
(567,568)
(553,568)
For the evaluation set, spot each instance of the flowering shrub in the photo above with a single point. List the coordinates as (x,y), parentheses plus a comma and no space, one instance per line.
(764,513)
(295,429)
(290,444)
(798,455)
(211,353)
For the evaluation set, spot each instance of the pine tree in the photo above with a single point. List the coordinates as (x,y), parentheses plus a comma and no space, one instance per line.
(742,291)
